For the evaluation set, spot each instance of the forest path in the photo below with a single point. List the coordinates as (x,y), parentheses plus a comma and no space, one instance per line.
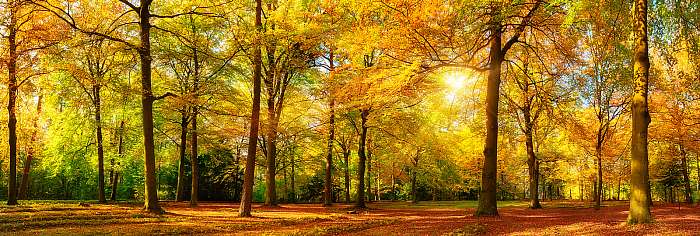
(382,218)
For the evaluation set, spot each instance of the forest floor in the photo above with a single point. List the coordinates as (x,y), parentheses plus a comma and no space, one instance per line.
(382,218)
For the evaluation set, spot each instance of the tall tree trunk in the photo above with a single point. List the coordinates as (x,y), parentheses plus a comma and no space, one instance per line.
(100,149)
(487,196)
(532,164)
(249,175)
(688,193)
(120,152)
(12,87)
(24,184)
(328,182)
(346,160)
(285,187)
(147,99)
(599,177)
(362,159)
(640,199)
(180,192)
(294,191)
(271,164)
(368,174)
(377,196)
(194,194)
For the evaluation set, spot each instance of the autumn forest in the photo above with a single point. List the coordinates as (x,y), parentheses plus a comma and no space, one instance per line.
(350,117)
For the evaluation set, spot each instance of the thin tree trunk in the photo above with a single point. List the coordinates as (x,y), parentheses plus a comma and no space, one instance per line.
(599,177)
(12,87)
(271,164)
(640,199)
(362,158)
(487,196)
(377,196)
(618,188)
(100,148)
(368,174)
(120,152)
(686,178)
(294,191)
(393,183)
(532,164)
(285,196)
(180,194)
(346,160)
(194,193)
(327,185)
(24,184)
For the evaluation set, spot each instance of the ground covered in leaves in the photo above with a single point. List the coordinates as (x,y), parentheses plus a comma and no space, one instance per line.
(383,218)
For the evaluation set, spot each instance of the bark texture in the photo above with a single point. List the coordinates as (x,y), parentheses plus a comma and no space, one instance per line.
(640,198)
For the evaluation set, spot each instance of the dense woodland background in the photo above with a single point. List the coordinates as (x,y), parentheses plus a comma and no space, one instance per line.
(411,76)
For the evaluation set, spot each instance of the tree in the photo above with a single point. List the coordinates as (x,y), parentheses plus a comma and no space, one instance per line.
(497,52)
(75,17)
(640,200)
(249,175)
(328,181)
(26,36)
(604,80)
(24,184)
(93,66)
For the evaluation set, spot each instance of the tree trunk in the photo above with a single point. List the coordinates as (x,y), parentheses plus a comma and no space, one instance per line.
(294,191)
(377,197)
(24,184)
(618,188)
(414,176)
(194,193)
(271,163)
(120,152)
(285,187)
(599,178)
(532,164)
(346,159)
(100,148)
(686,178)
(249,175)
(487,195)
(328,184)
(180,194)
(393,183)
(12,87)
(147,99)
(640,199)
(368,174)
(362,158)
